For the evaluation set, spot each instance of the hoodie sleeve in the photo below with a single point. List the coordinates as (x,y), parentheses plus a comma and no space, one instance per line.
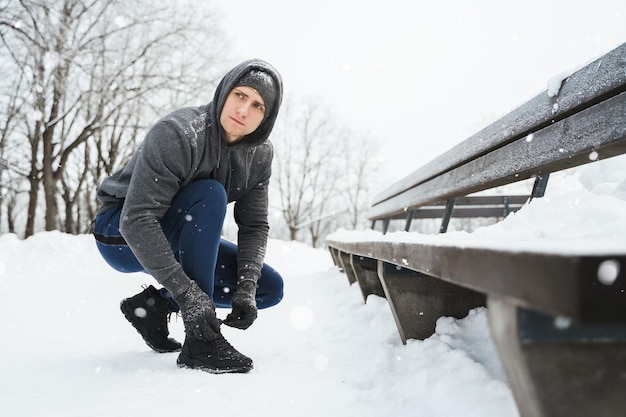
(159,172)
(251,215)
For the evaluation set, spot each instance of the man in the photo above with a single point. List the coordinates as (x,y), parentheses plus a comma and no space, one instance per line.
(163,214)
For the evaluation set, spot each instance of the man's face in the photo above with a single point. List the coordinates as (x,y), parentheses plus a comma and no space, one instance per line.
(242,114)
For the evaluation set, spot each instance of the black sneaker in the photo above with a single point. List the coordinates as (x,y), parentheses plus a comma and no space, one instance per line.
(216,356)
(148,312)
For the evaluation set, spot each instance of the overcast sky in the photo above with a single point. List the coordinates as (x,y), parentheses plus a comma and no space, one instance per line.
(422,77)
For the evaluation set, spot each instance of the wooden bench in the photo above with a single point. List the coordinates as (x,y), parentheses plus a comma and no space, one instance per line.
(559,332)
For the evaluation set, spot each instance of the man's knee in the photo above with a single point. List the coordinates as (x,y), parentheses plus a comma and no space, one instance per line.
(210,188)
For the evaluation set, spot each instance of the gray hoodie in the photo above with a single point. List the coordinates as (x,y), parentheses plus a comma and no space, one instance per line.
(188,145)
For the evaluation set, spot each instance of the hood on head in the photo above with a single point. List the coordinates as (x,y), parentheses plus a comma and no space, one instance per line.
(230,81)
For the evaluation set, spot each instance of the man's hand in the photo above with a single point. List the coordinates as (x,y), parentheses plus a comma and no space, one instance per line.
(198,313)
(244,306)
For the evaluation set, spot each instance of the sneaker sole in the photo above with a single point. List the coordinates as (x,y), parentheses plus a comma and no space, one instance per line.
(197,365)
(129,315)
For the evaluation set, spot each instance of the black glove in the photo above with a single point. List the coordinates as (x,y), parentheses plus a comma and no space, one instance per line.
(198,313)
(244,305)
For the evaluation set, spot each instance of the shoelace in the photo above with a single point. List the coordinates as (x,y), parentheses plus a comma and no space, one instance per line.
(226,349)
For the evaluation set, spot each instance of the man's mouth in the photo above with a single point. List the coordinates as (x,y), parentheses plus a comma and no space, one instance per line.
(236,121)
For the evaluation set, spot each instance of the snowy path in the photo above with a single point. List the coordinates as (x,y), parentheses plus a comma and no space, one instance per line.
(69,352)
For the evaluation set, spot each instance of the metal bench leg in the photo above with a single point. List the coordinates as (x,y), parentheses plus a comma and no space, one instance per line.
(366,271)
(334,253)
(346,265)
(557,369)
(418,300)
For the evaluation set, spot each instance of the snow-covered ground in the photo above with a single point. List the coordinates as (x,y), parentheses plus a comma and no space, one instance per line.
(68,351)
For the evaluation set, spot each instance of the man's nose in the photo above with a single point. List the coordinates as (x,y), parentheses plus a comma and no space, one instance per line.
(243,109)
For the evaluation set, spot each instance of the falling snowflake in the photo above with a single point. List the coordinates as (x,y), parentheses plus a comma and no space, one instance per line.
(608,271)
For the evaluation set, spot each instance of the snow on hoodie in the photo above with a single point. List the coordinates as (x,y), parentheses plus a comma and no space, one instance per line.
(188,145)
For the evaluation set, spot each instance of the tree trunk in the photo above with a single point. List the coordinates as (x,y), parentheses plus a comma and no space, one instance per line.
(49,184)
(32,204)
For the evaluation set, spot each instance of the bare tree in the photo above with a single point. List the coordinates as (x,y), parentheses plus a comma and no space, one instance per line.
(321,170)
(9,101)
(303,147)
(361,177)
(89,75)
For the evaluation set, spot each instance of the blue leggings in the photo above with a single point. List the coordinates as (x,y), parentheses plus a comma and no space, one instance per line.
(193,226)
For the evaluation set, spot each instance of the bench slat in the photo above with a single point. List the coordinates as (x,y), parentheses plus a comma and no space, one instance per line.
(483,200)
(468,207)
(463,212)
